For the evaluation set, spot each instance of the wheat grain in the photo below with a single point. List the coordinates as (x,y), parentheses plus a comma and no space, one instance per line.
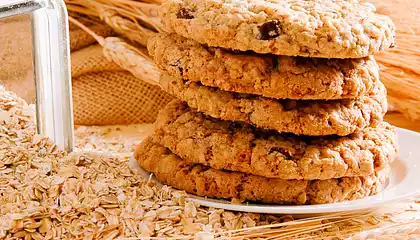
(409,230)
(143,14)
(126,56)
(126,28)
(131,59)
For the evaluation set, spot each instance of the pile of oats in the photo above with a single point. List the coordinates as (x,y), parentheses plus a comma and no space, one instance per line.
(93,194)
(46,194)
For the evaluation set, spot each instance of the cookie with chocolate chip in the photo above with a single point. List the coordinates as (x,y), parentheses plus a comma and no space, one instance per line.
(316,28)
(233,146)
(303,117)
(209,182)
(267,75)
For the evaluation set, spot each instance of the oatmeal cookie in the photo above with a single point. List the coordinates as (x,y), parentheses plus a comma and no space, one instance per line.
(233,146)
(316,28)
(204,181)
(267,75)
(303,117)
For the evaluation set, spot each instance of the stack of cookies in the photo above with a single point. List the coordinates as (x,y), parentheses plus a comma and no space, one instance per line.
(278,101)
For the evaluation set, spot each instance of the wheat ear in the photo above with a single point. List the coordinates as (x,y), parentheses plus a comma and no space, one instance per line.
(126,56)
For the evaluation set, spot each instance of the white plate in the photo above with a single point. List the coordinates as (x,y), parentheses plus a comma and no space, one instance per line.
(403,183)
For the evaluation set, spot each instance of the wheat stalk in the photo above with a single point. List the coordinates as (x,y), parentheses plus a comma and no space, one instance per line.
(145,13)
(136,26)
(126,56)
(131,59)
(408,230)
(357,225)
(343,224)
(126,28)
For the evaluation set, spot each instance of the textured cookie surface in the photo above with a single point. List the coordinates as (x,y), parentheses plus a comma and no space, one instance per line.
(204,181)
(219,144)
(314,28)
(267,75)
(303,117)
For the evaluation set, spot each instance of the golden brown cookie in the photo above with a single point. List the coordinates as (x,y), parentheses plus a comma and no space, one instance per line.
(312,28)
(267,75)
(306,117)
(204,181)
(220,144)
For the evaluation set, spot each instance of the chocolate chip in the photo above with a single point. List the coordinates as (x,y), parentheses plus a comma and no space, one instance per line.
(179,66)
(282,151)
(269,30)
(185,13)
(329,123)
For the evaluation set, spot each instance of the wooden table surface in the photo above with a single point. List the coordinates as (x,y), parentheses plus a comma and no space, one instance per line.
(401,121)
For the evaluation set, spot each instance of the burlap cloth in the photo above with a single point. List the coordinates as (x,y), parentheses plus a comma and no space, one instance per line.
(15,56)
(103,93)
